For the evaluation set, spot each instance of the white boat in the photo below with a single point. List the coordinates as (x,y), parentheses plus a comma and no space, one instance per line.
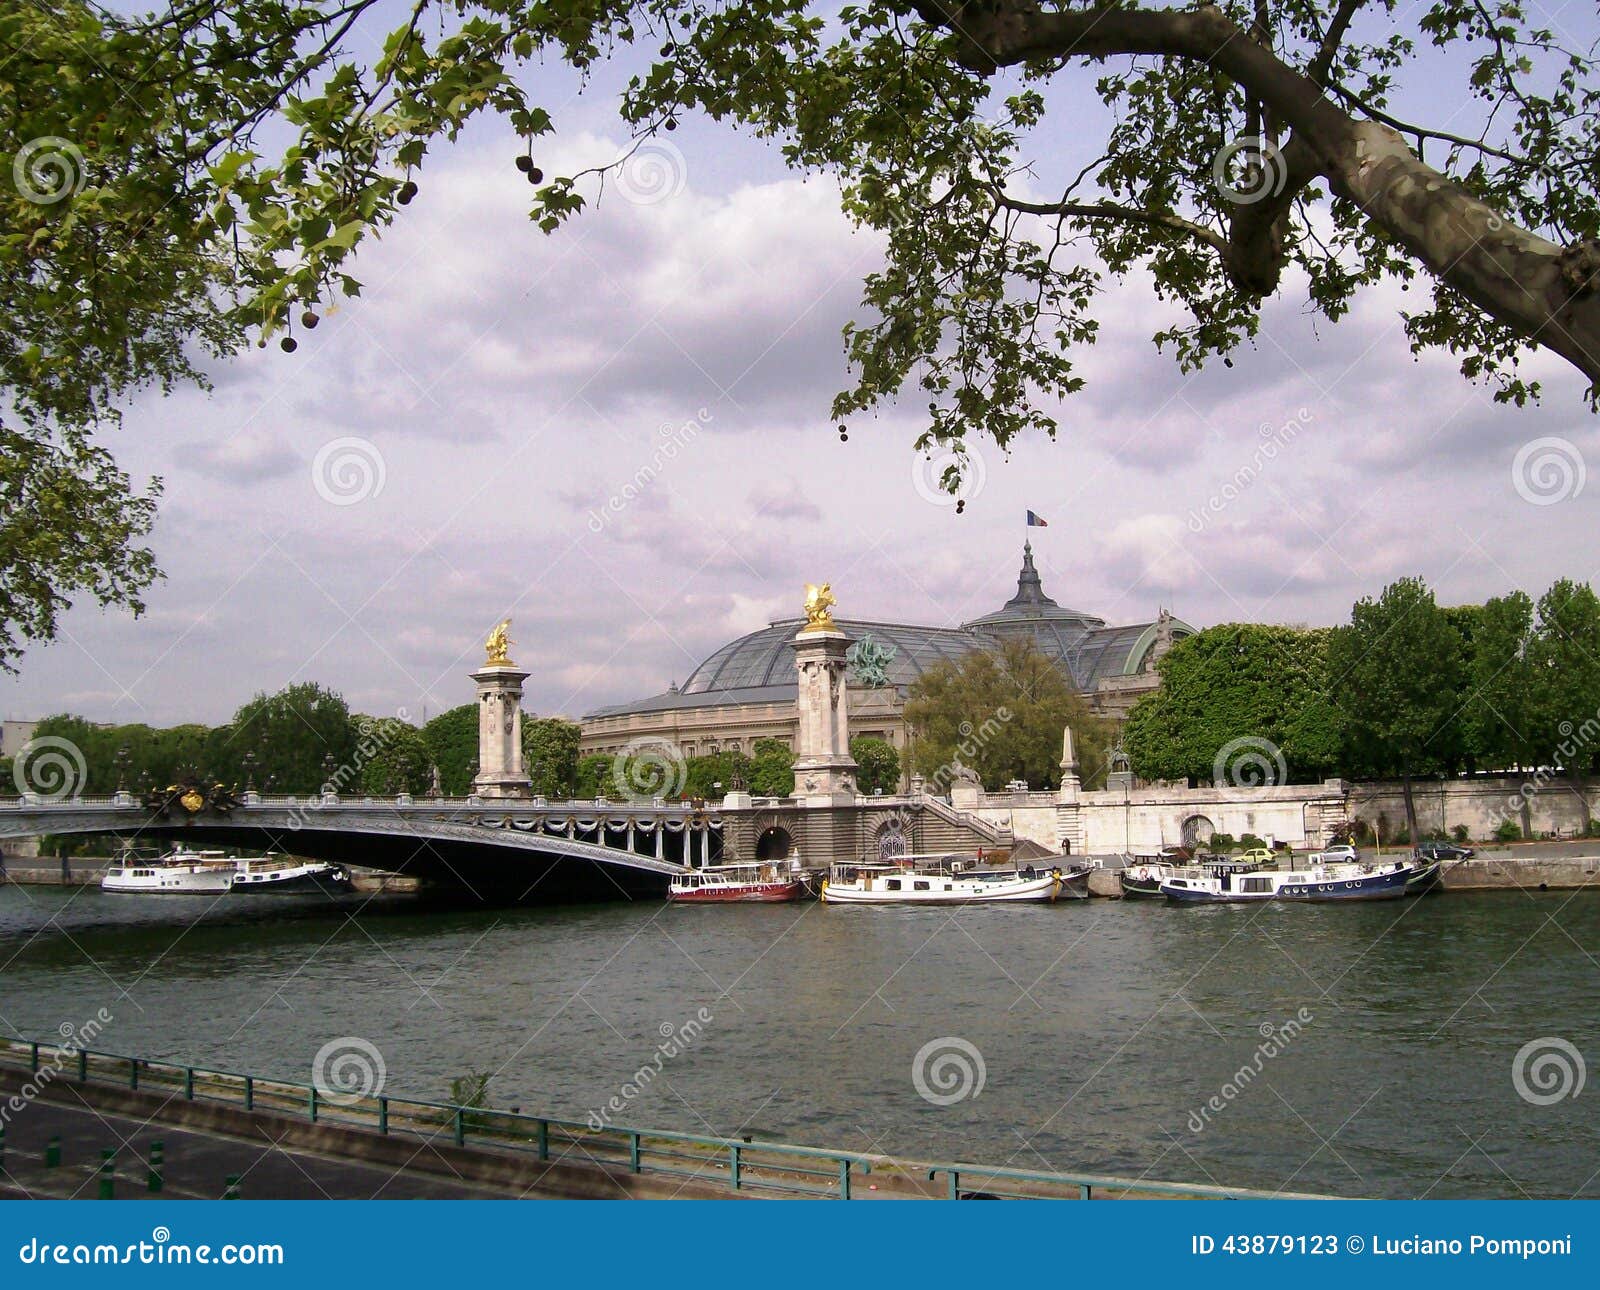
(178,873)
(948,882)
(215,873)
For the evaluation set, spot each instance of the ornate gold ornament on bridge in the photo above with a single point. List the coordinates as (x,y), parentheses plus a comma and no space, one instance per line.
(498,644)
(819,601)
(191,796)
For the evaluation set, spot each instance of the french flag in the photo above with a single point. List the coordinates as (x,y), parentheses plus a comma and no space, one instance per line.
(1037,522)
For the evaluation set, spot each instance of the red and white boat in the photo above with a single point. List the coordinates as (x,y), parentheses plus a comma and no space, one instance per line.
(731,883)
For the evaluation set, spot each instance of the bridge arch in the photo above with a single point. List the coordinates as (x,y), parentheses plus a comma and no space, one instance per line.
(512,851)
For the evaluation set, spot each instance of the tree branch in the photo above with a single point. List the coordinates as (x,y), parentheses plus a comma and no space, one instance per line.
(1117,212)
(1548,294)
(1322,64)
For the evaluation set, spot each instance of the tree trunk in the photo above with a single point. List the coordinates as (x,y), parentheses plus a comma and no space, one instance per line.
(1411,808)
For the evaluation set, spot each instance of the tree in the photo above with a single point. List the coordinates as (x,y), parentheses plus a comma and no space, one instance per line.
(550,754)
(594,777)
(713,776)
(70,524)
(771,768)
(86,758)
(196,178)
(296,735)
(1499,706)
(1396,673)
(1233,685)
(1000,713)
(452,739)
(877,765)
(1565,662)
(394,756)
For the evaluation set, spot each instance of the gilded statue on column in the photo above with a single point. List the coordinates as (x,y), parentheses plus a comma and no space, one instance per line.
(498,644)
(819,603)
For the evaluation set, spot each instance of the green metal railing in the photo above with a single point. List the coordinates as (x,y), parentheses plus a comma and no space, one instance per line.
(738,1164)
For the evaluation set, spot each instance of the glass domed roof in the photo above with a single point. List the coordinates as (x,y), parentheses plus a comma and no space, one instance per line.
(765,657)
(760,667)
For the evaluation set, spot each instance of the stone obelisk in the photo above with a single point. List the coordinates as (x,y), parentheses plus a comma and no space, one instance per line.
(824,771)
(500,772)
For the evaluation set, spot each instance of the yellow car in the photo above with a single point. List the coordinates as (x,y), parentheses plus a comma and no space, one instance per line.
(1259,855)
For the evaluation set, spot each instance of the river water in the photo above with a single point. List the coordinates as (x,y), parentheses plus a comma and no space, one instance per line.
(1381,1041)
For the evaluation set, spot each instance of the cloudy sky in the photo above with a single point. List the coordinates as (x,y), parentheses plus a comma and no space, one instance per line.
(464,441)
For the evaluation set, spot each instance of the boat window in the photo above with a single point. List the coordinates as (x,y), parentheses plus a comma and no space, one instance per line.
(1257,884)
(949,886)
(920,886)
(893,884)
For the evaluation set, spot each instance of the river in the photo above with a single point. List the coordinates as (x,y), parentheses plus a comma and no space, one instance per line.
(1381,1041)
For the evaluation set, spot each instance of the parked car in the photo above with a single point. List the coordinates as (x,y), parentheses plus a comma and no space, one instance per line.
(1443,851)
(1259,855)
(1339,853)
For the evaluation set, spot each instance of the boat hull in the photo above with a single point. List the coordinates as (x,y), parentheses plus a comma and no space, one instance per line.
(170,884)
(1141,888)
(1028,890)
(309,879)
(1425,879)
(760,893)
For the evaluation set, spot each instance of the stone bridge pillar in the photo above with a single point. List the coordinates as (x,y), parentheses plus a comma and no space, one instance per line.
(500,771)
(824,771)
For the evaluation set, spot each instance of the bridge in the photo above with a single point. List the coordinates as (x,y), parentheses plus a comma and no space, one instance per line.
(520,849)
(499,849)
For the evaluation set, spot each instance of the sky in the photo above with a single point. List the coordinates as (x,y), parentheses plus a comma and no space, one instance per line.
(618,436)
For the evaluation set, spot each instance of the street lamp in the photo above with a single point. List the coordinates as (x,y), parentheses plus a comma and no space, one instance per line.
(122,769)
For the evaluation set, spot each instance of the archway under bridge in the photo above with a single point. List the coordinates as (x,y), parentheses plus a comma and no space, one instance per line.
(775,843)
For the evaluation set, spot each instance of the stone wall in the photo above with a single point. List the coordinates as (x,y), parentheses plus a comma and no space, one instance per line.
(1147,817)
(1142,819)
(1545,807)
(823,836)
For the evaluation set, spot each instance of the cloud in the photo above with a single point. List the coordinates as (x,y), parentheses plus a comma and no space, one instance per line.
(788,503)
(246,458)
(515,386)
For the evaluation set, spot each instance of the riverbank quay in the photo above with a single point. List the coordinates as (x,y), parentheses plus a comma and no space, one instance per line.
(229,1122)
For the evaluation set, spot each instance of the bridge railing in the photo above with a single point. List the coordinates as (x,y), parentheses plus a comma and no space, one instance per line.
(520,804)
(738,1164)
